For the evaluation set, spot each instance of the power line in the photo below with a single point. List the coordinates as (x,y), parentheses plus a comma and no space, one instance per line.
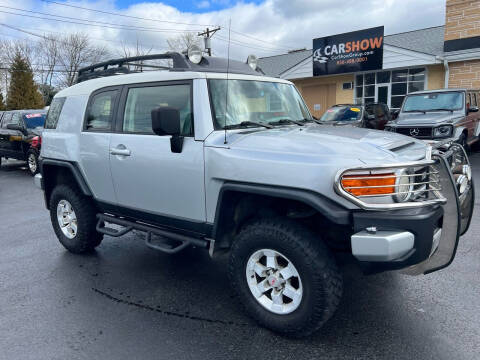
(260,40)
(123,15)
(57,32)
(149,19)
(107,25)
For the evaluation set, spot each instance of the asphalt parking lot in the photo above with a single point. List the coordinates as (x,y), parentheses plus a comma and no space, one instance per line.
(127,301)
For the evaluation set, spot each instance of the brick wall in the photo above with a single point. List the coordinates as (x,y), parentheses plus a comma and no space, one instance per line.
(465,74)
(462,19)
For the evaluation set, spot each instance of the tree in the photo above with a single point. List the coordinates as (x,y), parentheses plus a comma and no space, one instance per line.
(77,51)
(2,104)
(183,42)
(23,92)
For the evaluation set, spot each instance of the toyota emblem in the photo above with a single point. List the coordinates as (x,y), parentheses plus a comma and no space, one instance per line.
(414,132)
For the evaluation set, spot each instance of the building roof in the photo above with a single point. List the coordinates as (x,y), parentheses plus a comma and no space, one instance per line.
(429,40)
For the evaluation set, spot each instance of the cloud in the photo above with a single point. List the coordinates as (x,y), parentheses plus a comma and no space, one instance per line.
(203,4)
(269,28)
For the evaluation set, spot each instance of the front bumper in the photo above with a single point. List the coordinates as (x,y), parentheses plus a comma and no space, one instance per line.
(436,229)
(38,181)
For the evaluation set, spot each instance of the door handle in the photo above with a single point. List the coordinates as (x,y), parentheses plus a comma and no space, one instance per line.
(120,151)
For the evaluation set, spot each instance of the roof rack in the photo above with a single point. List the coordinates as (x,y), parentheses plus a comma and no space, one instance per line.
(105,68)
(180,63)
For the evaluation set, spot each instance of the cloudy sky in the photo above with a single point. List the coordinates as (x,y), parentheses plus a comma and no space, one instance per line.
(263,28)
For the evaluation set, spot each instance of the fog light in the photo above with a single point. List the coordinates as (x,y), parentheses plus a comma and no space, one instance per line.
(462,182)
(252,61)
(467,171)
(194,54)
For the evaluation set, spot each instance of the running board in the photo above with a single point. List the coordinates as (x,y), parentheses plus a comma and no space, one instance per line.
(182,241)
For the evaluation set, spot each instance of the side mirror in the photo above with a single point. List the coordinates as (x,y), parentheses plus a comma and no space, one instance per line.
(473,109)
(394,113)
(16,127)
(166,121)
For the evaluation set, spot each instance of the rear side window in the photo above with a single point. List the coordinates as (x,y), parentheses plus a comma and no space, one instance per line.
(141,101)
(100,111)
(54,113)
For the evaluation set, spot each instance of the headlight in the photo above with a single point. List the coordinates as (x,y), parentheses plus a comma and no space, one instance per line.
(443,131)
(403,185)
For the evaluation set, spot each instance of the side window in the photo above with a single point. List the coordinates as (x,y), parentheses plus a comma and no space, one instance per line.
(142,100)
(54,113)
(15,118)
(7,117)
(100,111)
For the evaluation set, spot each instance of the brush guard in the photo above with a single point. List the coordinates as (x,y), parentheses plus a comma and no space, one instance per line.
(458,209)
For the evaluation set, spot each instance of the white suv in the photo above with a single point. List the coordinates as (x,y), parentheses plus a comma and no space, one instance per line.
(211,153)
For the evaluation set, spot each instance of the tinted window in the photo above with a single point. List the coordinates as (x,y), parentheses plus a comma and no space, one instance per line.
(54,113)
(34,120)
(100,111)
(141,102)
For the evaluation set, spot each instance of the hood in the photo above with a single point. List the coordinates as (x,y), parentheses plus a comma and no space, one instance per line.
(368,146)
(428,118)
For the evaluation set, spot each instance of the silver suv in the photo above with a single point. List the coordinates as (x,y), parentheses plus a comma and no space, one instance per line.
(211,153)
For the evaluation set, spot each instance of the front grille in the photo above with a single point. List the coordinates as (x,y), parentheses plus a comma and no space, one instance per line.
(416,132)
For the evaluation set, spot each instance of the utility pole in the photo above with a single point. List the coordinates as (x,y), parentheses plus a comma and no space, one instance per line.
(207,34)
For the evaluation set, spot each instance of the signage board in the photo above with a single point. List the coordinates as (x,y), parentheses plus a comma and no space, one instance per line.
(349,52)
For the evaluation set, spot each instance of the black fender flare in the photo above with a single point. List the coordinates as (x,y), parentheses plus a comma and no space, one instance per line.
(72,167)
(325,206)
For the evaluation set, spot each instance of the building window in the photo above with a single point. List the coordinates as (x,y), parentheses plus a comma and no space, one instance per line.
(402,82)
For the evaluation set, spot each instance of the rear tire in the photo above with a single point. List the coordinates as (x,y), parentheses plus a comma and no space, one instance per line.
(32,162)
(73,218)
(317,289)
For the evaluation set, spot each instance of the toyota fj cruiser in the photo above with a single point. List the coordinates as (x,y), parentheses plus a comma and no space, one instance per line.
(440,114)
(213,154)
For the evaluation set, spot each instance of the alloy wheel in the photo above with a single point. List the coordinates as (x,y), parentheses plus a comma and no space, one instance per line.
(67,219)
(274,281)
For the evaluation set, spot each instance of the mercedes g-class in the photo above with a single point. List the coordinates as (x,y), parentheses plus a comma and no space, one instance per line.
(213,154)
(440,114)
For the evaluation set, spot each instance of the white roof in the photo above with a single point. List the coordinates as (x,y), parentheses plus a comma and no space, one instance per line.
(87,87)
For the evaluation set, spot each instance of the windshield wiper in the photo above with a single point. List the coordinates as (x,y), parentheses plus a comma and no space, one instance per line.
(408,111)
(441,110)
(317,121)
(248,123)
(286,121)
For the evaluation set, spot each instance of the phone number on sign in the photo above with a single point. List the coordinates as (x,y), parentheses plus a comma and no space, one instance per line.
(352,61)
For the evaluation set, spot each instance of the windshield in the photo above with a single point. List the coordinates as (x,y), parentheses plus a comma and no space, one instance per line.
(256,101)
(34,120)
(434,101)
(342,113)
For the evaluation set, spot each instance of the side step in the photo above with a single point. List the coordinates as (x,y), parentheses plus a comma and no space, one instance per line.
(179,243)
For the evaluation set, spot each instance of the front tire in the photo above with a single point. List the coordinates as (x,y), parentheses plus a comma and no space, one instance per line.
(73,218)
(285,276)
(462,140)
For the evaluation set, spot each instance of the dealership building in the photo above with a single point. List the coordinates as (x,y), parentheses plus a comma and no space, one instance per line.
(344,69)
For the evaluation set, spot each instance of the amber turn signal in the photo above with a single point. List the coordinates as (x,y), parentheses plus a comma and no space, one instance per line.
(369,184)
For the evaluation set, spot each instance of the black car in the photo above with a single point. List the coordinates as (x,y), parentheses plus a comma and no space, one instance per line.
(20,136)
(372,116)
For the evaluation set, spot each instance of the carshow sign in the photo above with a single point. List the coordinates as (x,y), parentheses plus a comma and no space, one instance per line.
(349,52)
